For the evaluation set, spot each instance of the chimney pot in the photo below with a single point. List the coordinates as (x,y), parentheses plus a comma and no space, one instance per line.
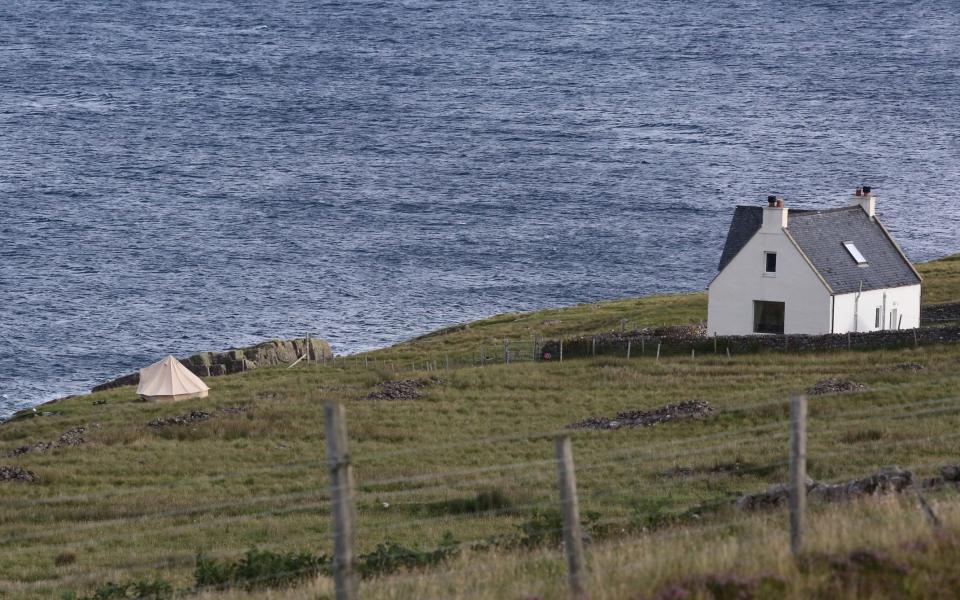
(865,200)
(774,216)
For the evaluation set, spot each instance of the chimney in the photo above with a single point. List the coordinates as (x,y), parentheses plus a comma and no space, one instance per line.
(774,215)
(865,199)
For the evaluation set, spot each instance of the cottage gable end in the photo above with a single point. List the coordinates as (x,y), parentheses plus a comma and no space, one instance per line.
(768,268)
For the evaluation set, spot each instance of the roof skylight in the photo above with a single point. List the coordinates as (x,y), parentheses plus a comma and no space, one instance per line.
(855,253)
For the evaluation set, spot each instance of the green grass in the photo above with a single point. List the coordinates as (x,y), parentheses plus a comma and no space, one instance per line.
(138,502)
(941,279)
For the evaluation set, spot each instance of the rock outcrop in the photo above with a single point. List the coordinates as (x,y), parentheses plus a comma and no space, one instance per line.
(17,474)
(888,480)
(71,437)
(835,386)
(688,409)
(267,354)
(194,416)
(407,389)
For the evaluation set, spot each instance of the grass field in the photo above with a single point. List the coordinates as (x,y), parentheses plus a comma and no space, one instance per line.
(136,501)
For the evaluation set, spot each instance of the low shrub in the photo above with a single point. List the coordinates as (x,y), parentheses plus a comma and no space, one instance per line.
(493,500)
(546,527)
(390,557)
(144,589)
(259,569)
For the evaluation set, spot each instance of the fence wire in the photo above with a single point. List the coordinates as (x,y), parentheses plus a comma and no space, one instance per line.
(527,472)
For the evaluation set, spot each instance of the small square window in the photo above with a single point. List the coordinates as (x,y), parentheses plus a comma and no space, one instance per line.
(771,264)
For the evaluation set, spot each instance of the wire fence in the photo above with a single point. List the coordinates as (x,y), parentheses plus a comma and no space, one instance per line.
(691,341)
(430,488)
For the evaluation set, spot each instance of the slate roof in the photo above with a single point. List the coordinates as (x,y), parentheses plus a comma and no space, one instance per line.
(746,222)
(820,235)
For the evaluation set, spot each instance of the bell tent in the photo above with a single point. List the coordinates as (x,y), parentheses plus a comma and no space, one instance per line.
(168,380)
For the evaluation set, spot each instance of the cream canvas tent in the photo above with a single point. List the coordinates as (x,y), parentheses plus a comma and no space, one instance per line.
(169,380)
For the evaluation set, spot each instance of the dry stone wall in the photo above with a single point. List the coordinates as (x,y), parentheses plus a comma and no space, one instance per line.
(680,341)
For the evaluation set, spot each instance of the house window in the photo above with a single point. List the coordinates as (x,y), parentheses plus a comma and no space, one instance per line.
(877,318)
(771,262)
(855,253)
(768,316)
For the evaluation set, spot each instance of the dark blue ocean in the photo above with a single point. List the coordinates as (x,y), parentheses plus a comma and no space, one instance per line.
(186,175)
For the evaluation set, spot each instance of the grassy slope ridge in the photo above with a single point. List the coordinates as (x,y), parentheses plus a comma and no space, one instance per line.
(135,500)
(941,284)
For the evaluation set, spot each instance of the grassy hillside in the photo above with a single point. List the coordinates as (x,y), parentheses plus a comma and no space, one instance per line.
(138,501)
(941,279)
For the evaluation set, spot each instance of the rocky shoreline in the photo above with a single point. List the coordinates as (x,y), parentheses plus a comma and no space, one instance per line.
(210,364)
(237,360)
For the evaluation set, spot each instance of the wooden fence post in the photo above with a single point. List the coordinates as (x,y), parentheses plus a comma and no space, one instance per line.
(561,350)
(628,349)
(341,500)
(569,506)
(798,470)
(506,351)
(593,347)
(643,345)
(658,350)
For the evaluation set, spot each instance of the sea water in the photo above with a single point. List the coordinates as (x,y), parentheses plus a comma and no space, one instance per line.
(188,175)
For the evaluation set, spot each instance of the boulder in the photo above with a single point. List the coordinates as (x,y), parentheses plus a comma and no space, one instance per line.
(950,472)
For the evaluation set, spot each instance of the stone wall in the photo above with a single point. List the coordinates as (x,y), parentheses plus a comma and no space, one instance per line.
(267,354)
(680,341)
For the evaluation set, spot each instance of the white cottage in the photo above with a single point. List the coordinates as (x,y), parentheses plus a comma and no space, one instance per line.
(812,271)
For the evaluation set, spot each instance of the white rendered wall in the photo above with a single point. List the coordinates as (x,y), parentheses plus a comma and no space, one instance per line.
(731,294)
(906,300)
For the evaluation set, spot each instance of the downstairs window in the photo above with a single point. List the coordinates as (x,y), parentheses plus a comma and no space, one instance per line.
(768,317)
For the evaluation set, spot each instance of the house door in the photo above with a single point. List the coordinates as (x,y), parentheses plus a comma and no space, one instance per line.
(894,323)
(768,317)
